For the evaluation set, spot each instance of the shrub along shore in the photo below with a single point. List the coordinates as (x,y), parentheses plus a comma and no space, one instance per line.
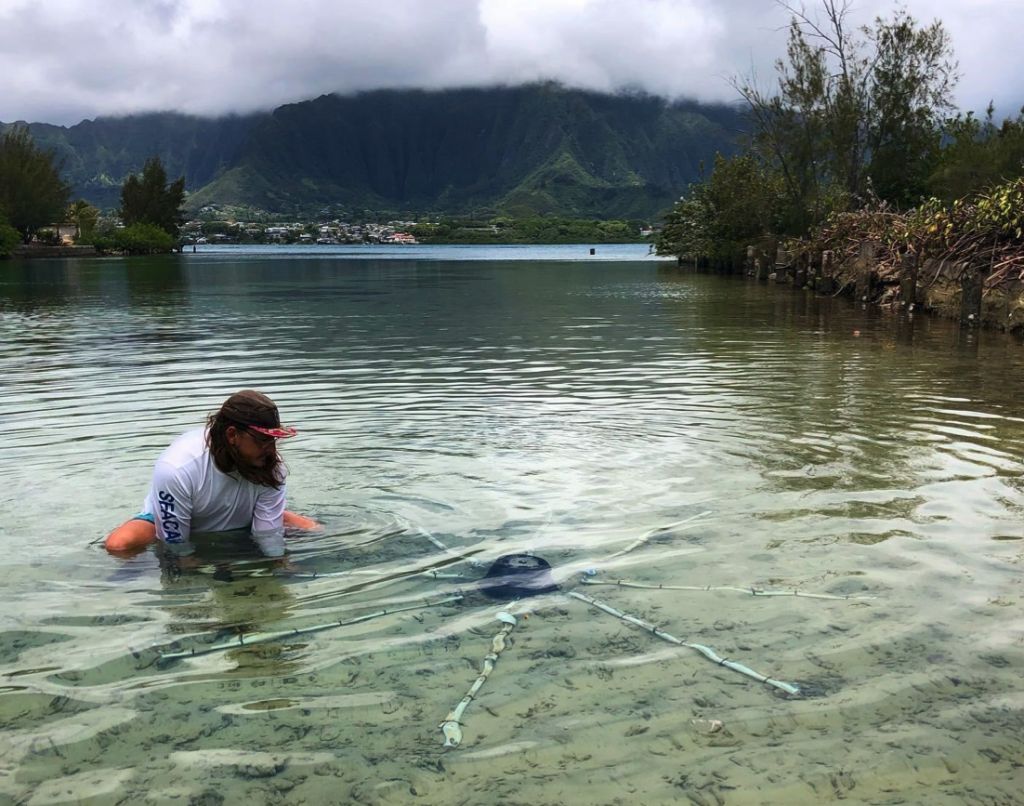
(964,260)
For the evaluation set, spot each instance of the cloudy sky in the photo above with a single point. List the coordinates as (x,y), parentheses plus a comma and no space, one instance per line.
(64,60)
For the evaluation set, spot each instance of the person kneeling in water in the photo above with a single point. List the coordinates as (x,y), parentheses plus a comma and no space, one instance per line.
(226,476)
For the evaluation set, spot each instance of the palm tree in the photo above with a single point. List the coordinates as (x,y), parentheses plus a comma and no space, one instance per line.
(84,216)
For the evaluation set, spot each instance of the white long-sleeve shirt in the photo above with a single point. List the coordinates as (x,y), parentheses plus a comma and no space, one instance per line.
(189,494)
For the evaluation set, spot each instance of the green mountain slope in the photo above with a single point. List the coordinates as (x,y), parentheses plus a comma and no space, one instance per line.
(97,155)
(518,150)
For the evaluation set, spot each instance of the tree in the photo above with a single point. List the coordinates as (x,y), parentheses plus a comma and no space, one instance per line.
(856,112)
(84,216)
(687,232)
(9,237)
(143,239)
(978,154)
(32,194)
(149,199)
(911,87)
(738,203)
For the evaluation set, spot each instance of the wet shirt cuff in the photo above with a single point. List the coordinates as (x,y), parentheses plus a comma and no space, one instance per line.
(270,541)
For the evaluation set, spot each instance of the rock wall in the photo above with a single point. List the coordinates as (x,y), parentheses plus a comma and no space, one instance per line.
(947,288)
(38,250)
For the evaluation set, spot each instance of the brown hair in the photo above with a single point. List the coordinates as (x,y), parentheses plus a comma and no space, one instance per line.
(242,409)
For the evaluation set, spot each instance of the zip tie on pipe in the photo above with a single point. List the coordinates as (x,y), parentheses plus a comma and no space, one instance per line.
(451,727)
(751,591)
(265,637)
(706,651)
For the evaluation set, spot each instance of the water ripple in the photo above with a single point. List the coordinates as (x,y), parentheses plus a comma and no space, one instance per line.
(670,429)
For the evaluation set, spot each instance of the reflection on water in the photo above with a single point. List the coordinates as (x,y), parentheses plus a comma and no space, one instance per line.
(617,418)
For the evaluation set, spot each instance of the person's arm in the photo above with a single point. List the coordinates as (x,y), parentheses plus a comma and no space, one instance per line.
(268,521)
(173,516)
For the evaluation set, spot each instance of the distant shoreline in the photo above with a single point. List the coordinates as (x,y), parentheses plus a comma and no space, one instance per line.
(35,252)
(512,252)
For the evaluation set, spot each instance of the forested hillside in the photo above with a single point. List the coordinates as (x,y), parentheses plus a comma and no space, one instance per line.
(514,150)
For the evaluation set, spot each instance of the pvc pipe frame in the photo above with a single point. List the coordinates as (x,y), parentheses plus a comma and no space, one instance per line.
(265,637)
(451,727)
(752,591)
(706,651)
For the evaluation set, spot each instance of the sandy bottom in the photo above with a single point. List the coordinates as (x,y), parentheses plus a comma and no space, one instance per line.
(581,708)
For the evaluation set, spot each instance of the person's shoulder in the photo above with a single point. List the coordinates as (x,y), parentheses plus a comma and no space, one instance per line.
(186,449)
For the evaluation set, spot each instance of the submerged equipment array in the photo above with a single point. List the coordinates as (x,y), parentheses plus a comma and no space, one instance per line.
(512,578)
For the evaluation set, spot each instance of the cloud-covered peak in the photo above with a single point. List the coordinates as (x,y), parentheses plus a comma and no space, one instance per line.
(64,60)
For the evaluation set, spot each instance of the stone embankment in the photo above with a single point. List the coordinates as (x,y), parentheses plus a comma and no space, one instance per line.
(38,250)
(948,288)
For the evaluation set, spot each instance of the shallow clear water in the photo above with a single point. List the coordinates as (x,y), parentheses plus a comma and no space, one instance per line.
(607,413)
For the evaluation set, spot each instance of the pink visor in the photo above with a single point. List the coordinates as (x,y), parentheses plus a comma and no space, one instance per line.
(277,433)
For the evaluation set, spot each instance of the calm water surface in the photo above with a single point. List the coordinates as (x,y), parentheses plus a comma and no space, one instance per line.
(621,420)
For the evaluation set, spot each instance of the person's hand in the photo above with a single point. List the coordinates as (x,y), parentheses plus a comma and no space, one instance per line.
(285,565)
(189,562)
(293,520)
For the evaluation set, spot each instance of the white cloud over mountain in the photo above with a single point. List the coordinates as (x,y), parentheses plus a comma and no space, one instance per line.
(64,60)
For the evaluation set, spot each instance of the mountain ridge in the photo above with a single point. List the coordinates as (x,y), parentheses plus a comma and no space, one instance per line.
(525,150)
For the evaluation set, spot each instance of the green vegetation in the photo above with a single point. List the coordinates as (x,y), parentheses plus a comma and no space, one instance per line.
(32,193)
(85,217)
(150,199)
(738,203)
(529,230)
(137,239)
(857,112)
(858,141)
(9,237)
(978,154)
(151,210)
(985,229)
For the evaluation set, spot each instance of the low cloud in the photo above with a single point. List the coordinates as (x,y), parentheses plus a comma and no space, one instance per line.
(65,60)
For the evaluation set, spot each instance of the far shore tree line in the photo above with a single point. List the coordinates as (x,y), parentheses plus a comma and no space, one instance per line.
(34,202)
(858,138)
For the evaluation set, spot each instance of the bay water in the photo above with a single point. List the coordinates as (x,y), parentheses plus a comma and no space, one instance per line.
(704,439)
